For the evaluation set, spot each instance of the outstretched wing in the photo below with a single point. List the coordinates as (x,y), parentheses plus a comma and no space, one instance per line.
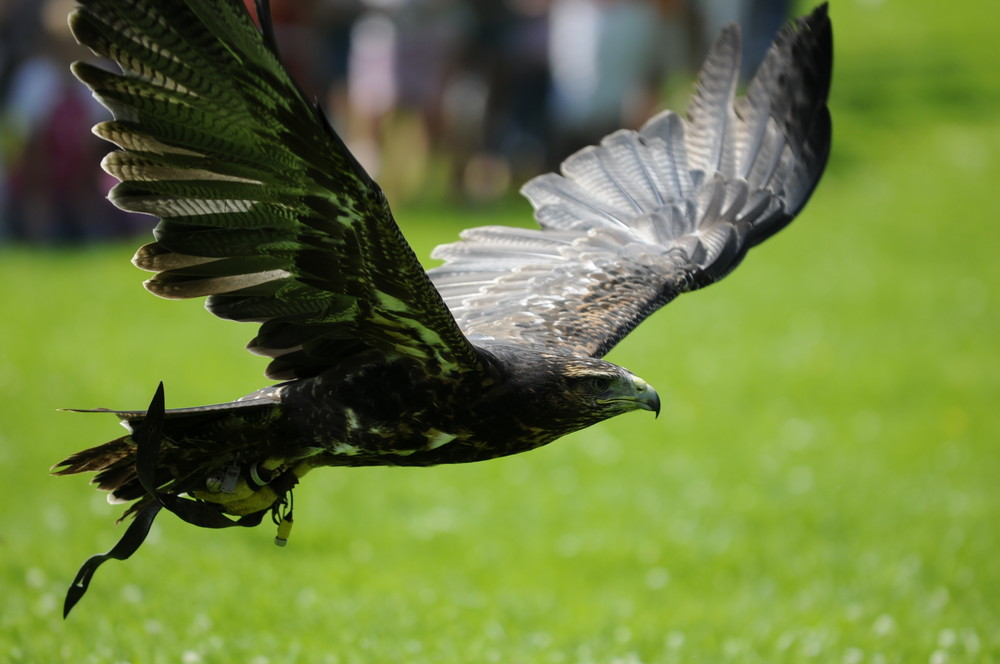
(262,207)
(647,215)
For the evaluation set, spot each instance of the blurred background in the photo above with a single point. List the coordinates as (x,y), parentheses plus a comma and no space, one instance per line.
(459,100)
(822,483)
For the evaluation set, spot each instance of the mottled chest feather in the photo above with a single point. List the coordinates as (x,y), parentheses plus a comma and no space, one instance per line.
(397,413)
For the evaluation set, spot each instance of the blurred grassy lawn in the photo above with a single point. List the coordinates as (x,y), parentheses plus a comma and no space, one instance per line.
(823,485)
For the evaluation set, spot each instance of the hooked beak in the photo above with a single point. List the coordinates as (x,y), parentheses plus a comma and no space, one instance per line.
(642,396)
(646,397)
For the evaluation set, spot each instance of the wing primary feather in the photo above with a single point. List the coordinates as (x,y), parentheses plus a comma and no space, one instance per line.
(263,8)
(646,215)
(262,208)
(646,172)
(711,112)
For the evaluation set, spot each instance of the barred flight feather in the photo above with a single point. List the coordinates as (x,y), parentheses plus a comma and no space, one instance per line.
(678,202)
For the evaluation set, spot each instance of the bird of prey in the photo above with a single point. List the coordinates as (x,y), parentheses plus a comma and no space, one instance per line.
(263,209)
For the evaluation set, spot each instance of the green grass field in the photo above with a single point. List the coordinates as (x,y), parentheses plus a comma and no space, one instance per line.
(823,485)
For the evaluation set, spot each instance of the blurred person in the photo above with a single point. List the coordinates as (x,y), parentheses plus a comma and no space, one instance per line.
(400,57)
(371,85)
(300,28)
(607,59)
(334,21)
(759,20)
(53,196)
(35,90)
(20,25)
(496,100)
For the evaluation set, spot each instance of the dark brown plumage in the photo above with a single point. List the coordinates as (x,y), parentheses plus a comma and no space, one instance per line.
(264,211)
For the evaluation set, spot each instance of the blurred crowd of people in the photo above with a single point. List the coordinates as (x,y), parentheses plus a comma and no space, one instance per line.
(465,97)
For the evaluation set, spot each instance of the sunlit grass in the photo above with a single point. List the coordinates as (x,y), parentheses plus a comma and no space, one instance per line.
(822,485)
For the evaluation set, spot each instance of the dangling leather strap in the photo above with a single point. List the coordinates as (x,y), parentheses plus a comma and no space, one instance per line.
(126,546)
(147,437)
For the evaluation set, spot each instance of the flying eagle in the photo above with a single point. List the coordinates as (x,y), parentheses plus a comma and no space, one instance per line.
(264,210)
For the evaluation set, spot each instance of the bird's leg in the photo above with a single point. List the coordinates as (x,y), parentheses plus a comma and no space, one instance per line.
(260,486)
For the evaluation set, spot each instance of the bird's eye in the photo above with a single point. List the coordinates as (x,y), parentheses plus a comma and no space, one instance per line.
(599,383)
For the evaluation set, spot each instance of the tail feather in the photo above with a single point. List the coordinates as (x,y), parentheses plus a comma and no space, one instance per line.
(114,465)
(195,442)
(137,459)
(99,459)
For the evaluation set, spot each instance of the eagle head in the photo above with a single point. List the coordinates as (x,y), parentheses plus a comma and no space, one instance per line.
(602,390)
(557,393)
